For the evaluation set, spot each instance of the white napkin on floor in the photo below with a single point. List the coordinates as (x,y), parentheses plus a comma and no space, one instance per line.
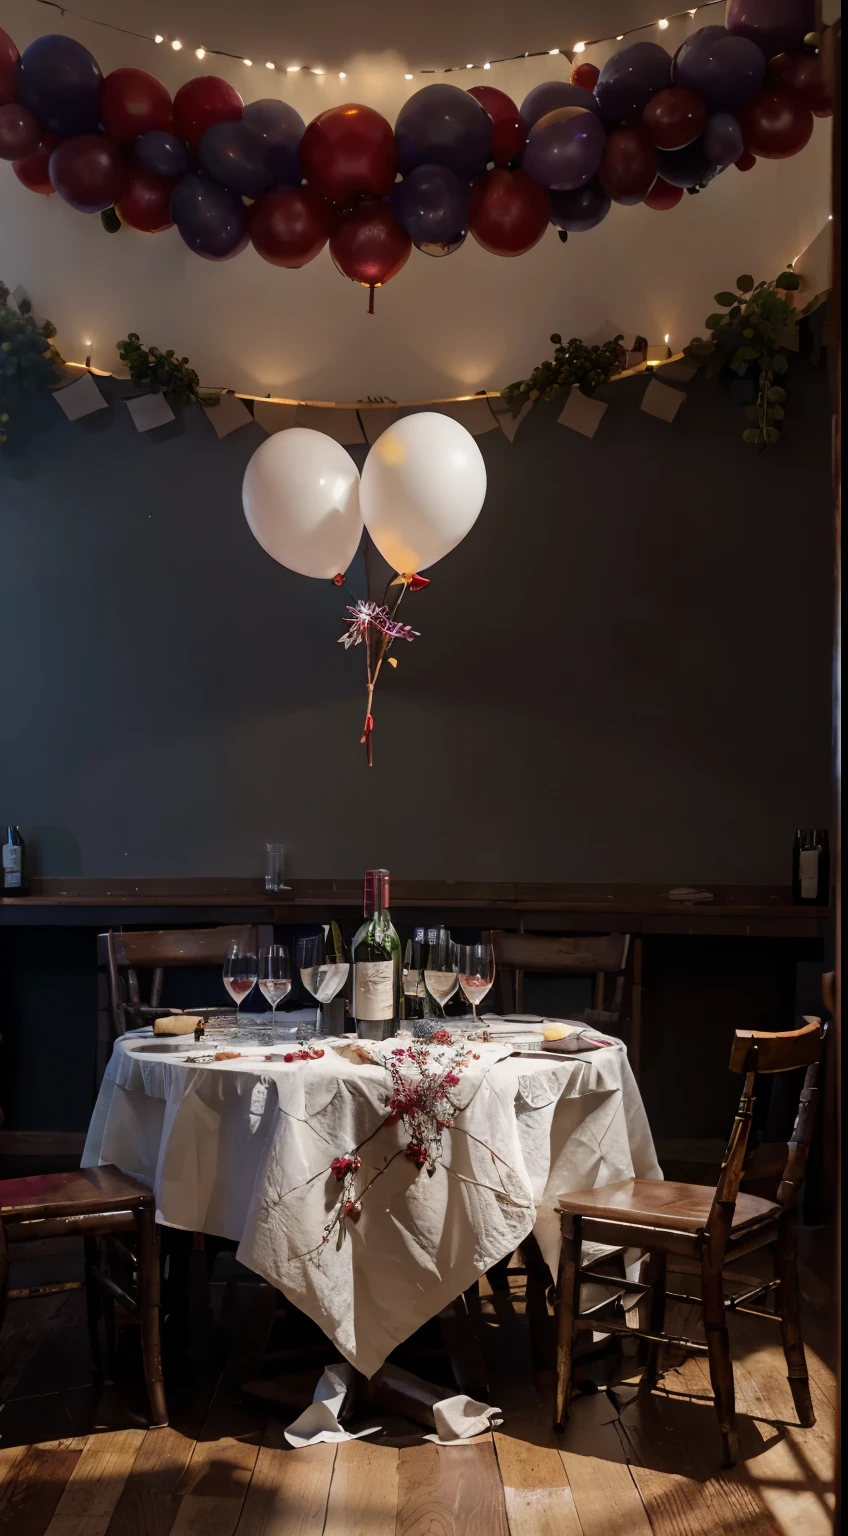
(319,1421)
(461,1418)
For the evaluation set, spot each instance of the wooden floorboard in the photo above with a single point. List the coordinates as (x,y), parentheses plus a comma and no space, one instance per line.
(364,1491)
(450,1489)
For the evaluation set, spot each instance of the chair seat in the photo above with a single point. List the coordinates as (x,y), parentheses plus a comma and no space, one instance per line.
(82,1192)
(664,1204)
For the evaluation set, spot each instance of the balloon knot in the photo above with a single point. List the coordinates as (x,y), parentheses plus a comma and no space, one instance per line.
(417,583)
(338,580)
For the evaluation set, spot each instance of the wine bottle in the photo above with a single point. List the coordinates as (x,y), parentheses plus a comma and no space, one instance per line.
(14,863)
(376,963)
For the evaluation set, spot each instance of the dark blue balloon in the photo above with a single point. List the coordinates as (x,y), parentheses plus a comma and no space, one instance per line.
(685,167)
(723,139)
(282,129)
(564,148)
(431,204)
(60,82)
(630,78)
(725,71)
(162,153)
(552,94)
(442,125)
(579,211)
(235,154)
(210,219)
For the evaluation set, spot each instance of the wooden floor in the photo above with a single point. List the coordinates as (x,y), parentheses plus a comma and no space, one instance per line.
(75,1462)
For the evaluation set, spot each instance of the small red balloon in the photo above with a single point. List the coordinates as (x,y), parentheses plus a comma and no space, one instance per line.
(509,132)
(146,203)
(628,167)
(134,102)
(508,212)
(348,153)
(9,58)
(776,124)
(369,246)
(674,118)
(585,75)
(20,132)
(289,226)
(663,195)
(746,161)
(88,172)
(201,103)
(805,73)
(34,171)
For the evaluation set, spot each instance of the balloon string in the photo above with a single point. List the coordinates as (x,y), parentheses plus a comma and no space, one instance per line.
(371,300)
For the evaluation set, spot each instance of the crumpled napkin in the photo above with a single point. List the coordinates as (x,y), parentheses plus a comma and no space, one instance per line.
(461,1418)
(457,1418)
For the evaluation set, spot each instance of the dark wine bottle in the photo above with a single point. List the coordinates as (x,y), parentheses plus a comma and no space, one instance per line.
(376,964)
(14,863)
(811,867)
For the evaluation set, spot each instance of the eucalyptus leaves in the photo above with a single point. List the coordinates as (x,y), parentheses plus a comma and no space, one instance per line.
(28,358)
(752,334)
(572,363)
(163,372)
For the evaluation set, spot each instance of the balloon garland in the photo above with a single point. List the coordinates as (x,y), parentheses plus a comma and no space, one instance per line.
(643,129)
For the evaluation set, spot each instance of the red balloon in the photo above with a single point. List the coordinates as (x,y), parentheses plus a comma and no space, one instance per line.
(628,167)
(663,195)
(585,75)
(508,213)
(146,203)
(776,124)
(746,162)
(509,133)
(9,57)
(369,246)
(348,153)
(288,227)
(673,118)
(134,102)
(88,172)
(34,171)
(201,103)
(804,72)
(20,132)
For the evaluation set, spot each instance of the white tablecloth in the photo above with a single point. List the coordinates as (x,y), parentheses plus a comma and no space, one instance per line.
(242,1149)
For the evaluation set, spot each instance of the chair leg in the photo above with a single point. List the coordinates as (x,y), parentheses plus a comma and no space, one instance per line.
(148,1306)
(538,1318)
(786,1259)
(721,1365)
(93,1305)
(656,1279)
(4,1273)
(568,1306)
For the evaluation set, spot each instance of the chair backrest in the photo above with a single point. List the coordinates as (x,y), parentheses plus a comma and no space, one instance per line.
(125,954)
(601,956)
(754,1052)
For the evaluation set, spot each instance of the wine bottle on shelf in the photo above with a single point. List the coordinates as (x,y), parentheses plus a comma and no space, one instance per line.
(14,863)
(811,867)
(376,964)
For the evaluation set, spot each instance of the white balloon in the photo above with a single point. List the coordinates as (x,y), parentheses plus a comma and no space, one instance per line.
(423,485)
(301,501)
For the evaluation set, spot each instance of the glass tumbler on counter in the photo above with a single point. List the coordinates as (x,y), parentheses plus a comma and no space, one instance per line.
(274,867)
(324,968)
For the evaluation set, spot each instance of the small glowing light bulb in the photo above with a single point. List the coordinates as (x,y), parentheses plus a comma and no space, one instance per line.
(293,69)
(620,38)
(579,47)
(200,53)
(248,62)
(158,38)
(407,77)
(88,342)
(553,51)
(663,24)
(318,71)
(269,65)
(666,340)
(176,45)
(487,66)
(342,75)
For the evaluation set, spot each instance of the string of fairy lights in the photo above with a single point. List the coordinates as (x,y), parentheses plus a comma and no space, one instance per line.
(202,50)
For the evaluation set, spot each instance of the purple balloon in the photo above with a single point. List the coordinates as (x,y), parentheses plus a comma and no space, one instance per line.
(726,72)
(723,139)
(236,155)
(776,26)
(630,78)
(581,210)
(551,94)
(60,82)
(210,219)
(442,125)
(431,204)
(564,149)
(282,129)
(162,153)
(684,167)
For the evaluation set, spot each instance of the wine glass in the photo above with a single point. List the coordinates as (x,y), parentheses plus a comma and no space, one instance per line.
(324,969)
(440,968)
(274,977)
(475,965)
(240,973)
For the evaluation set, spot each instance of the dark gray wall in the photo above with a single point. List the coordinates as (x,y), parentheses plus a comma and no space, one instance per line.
(623,671)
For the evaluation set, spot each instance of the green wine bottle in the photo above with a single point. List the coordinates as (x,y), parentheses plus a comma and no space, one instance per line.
(376,964)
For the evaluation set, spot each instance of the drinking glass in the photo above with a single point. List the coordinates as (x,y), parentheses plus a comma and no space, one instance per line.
(274,867)
(324,969)
(475,965)
(240,973)
(274,977)
(440,968)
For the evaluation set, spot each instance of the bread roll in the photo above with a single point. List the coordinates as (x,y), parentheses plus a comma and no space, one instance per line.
(177,1024)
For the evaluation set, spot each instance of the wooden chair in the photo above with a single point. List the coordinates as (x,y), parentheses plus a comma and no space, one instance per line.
(122,955)
(712,1226)
(95,1203)
(604,957)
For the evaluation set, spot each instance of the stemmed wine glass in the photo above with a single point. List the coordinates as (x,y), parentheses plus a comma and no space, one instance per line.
(274,977)
(440,968)
(324,968)
(475,965)
(240,973)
